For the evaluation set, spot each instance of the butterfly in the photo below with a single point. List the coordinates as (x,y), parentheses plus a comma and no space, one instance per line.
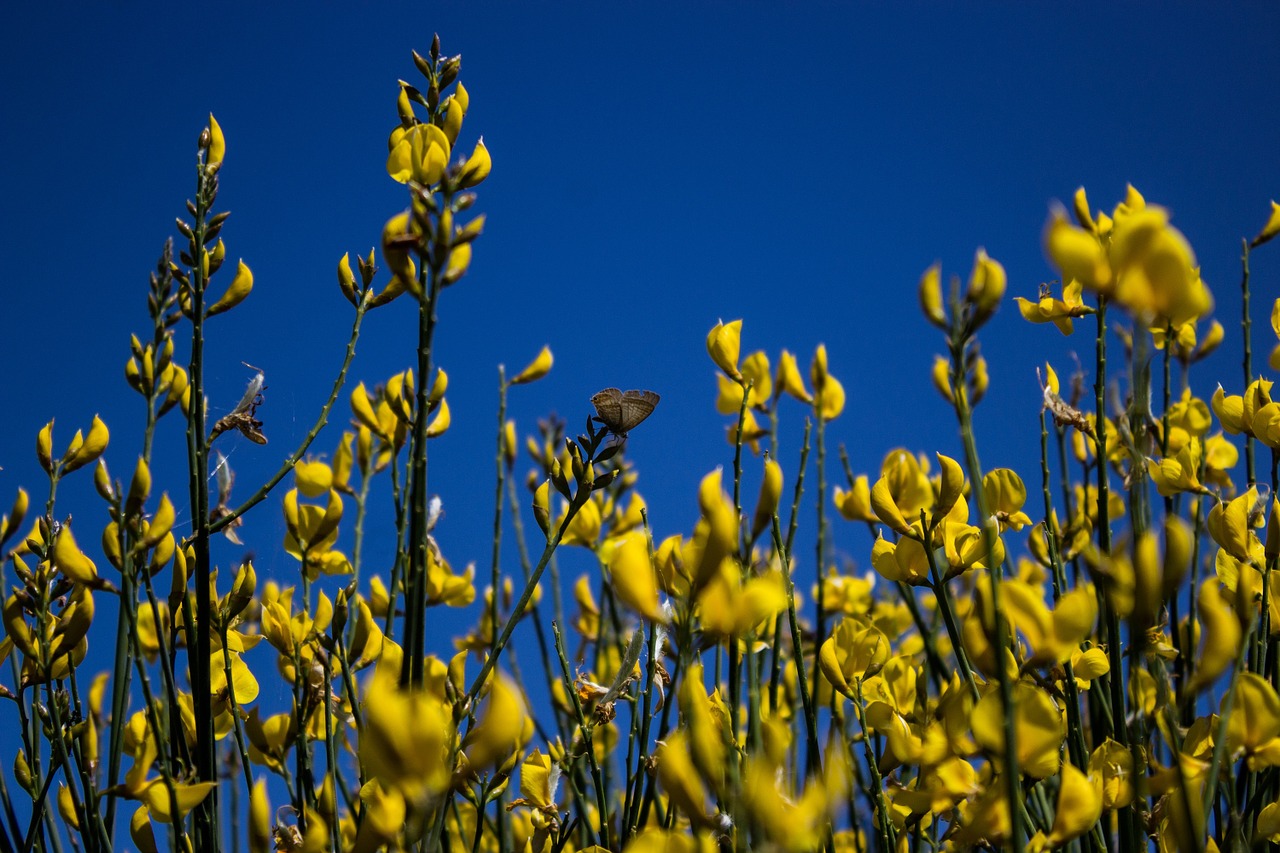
(621,411)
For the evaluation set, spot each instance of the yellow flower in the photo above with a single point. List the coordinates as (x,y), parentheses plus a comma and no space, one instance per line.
(537,368)
(1178,474)
(679,777)
(1221,640)
(477,167)
(405,740)
(727,606)
(855,504)
(852,652)
(1079,806)
(1040,728)
(930,293)
(902,491)
(1060,312)
(1254,724)
(1271,229)
(987,284)
(1006,494)
(770,495)
(828,393)
(723,345)
(1136,257)
(419,153)
(789,380)
(217,146)
(1053,636)
(632,575)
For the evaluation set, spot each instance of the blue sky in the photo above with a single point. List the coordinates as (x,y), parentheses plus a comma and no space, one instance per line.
(656,167)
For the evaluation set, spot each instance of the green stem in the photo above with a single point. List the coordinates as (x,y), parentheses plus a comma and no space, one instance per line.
(286,467)
(1000,635)
(1246,327)
(500,463)
(206,830)
(601,795)
(416,599)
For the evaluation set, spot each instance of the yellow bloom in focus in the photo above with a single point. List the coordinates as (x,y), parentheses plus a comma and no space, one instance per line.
(1230,525)
(852,652)
(1088,665)
(1178,474)
(724,342)
(902,491)
(1060,312)
(477,167)
(419,153)
(904,560)
(236,292)
(1112,765)
(1006,494)
(217,146)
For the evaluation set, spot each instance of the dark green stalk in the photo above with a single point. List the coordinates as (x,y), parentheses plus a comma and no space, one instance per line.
(500,463)
(820,567)
(120,676)
(775,676)
(526,566)
(526,596)
(416,600)
(813,764)
(206,814)
(646,713)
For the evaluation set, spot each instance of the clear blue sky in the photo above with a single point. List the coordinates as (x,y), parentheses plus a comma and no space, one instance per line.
(656,167)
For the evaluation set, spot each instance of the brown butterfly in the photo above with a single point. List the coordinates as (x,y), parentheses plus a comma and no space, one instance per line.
(621,411)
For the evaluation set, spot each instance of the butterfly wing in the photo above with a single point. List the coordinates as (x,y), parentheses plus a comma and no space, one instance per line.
(635,407)
(608,405)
